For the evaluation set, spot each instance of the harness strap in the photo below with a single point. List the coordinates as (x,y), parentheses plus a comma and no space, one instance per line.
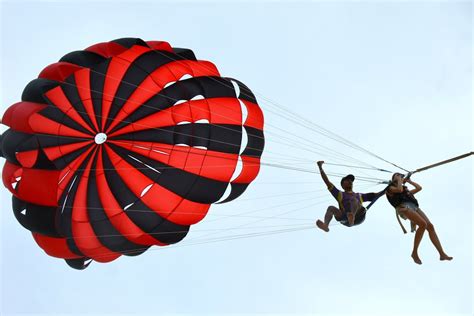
(400,222)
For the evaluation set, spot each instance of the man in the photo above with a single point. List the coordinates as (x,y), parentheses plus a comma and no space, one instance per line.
(350,211)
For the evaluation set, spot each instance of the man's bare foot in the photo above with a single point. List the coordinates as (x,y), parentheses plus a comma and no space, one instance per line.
(322,226)
(416,258)
(445,257)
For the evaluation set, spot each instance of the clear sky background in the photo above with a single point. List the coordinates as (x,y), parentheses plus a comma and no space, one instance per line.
(393,77)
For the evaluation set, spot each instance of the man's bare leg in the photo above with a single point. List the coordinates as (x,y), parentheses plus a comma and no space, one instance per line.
(330,213)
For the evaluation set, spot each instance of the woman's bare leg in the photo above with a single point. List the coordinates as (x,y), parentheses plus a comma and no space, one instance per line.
(330,212)
(421,223)
(434,237)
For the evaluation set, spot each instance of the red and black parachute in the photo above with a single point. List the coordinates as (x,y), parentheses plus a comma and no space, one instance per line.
(123,146)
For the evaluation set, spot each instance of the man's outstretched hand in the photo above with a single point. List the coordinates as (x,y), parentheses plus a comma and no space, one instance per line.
(320,163)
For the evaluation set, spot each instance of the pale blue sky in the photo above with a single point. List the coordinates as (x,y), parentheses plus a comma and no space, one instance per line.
(394,77)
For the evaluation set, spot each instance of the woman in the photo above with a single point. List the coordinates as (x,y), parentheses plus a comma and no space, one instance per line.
(407,207)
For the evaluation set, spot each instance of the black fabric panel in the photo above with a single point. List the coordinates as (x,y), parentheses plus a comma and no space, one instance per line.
(139,70)
(12,140)
(34,91)
(153,60)
(78,264)
(18,142)
(1,146)
(46,141)
(129,83)
(65,160)
(53,140)
(72,94)
(188,185)
(43,162)
(53,113)
(65,207)
(149,221)
(255,143)
(106,233)
(83,58)
(225,138)
(236,190)
(184,53)
(97,79)
(191,134)
(245,92)
(209,87)
(129,42)
(36,218)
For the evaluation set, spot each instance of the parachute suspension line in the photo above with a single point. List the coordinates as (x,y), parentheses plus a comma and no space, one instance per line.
(335,136)
(155,128)
(328,152)
(263,219)
(340,139)
(224,216)
(357,167)
(129,210)
(275,216)
(184,231)
(368,179)
(187,243)
(176,100)
(184,150)
(316,128)
(260,219)
(199,137)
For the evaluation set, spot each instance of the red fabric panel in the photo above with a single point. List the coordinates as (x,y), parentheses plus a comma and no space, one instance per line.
(160,77)
(42,125)
(218,166)
(188,212)
(160,45)
(67,173)
(212,164)
(250,168)
(27,158)
(9,174)
(84,235)
(225,111)
(189,113)
(116,215)
(222,111)
(108,49)
(174,70)
(18,114)
(56,152)
(203,68)
(142,93)
(117,68)
(166,202)
(83,87)
(58,98)
(255,115)
(55,247)
(59,71)
(39,186)
(133,53)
